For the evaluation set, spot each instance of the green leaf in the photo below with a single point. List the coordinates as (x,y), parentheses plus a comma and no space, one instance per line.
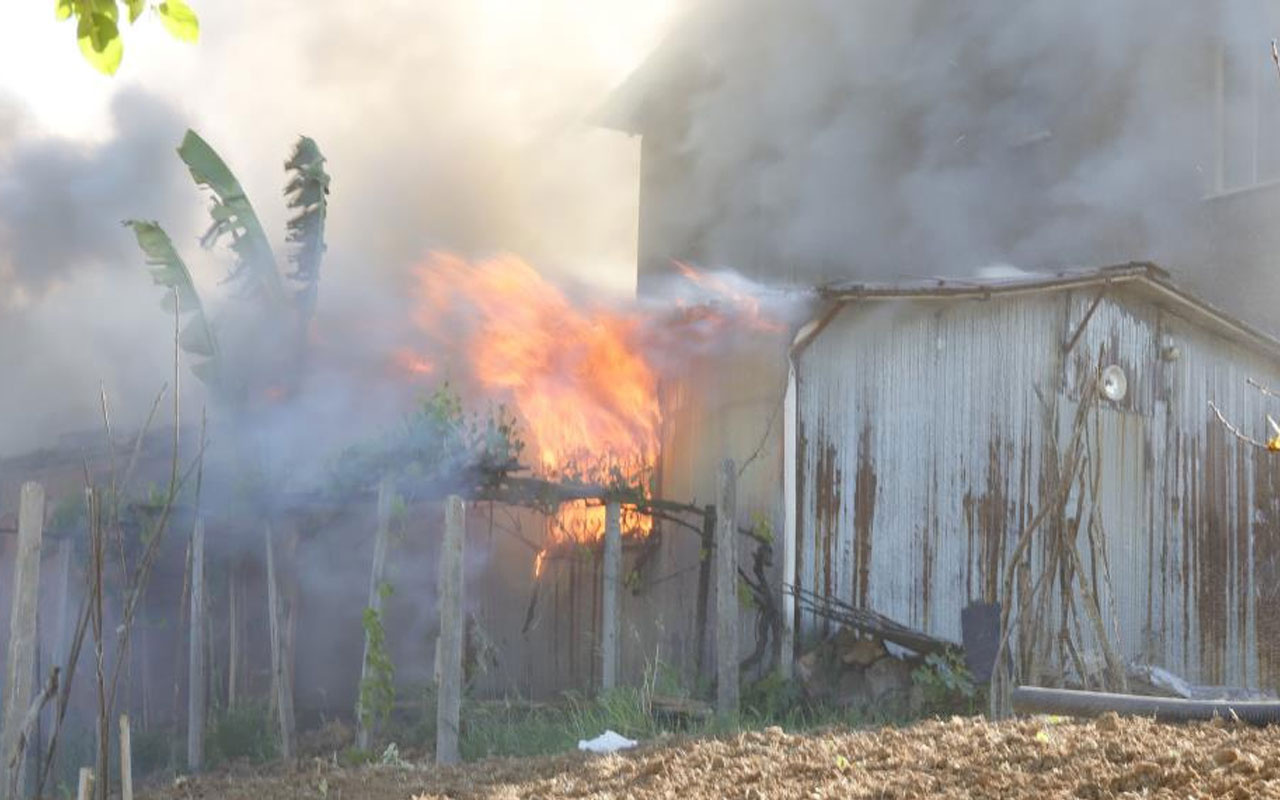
(65,8)
(169,270)
(99,40)
(136,7)
(307,191)
(233,216)
(179,20)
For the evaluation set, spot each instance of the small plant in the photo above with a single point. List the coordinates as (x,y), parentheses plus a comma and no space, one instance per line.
(945,679)
(241,732)
(377,690)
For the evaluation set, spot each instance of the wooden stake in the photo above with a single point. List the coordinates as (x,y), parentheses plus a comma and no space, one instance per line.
(611,587)
(84,790)
(449,692)
(363,732)
(126,759)
(22,634)
(233,636)
(726,556)
(196,685)
(279,678)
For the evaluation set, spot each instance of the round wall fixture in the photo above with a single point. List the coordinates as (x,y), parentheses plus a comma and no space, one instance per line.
(1113,384)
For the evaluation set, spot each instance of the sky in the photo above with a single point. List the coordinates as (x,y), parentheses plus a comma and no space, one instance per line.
(452,124)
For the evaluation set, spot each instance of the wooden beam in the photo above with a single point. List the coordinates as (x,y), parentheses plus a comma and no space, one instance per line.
(196,684)
(612,591)
(281,692)
(449,646)
(233,635)
(84,789)
(726,556)
(126,759)
(22,634)
(364,733)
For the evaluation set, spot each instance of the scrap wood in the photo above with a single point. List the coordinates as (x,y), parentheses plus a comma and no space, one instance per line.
(868,621)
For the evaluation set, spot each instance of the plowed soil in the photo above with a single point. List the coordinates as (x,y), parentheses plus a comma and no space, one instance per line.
(1032,758)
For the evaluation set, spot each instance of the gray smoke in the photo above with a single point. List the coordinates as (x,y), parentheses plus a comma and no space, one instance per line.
(828,140)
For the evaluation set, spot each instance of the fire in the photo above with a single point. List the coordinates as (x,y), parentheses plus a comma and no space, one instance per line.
(577,378)
(412,363)
(582,378)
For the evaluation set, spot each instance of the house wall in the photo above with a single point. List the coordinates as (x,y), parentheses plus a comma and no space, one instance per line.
(924,452)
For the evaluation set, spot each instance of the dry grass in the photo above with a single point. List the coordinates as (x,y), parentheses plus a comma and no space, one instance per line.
(1038,758)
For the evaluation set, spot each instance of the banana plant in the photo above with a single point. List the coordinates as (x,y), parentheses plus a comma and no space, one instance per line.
(276,303)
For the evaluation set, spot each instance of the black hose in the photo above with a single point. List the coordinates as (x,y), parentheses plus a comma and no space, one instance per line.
(1072,703)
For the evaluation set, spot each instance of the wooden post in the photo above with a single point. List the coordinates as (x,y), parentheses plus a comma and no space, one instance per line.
(787,648)
(196,685)
(84,789)
(364,734)
(233,635)
(610,604)
(22,634)
(126,759)
(449,646)
(62,633)
(727,592)
(283,694)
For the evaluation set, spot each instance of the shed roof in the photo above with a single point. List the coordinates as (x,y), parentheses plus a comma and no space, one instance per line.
(1146,278)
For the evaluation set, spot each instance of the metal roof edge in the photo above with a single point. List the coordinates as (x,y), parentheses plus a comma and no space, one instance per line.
(1145,273)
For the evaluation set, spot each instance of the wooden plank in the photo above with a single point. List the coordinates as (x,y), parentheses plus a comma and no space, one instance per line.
(449,647)
(787,650)
(281,693)
(364,734)
(84,789)
(612,589)
(726,557)
(126,759)
(61,627)
(233,635)
(196,685)
(22,633)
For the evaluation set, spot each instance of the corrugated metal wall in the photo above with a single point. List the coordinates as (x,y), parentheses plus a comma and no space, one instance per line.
(923,455)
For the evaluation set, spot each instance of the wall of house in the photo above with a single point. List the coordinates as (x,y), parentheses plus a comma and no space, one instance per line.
(926,447)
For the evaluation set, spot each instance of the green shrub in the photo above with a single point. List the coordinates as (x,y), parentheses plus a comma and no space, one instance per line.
(242,732)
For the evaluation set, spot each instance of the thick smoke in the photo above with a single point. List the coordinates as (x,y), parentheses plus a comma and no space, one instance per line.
(451,126)
(832,140)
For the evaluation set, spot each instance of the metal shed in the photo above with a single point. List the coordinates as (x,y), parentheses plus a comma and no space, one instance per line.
(923,426)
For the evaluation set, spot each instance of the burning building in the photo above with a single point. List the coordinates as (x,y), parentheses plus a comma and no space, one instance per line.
(898,162)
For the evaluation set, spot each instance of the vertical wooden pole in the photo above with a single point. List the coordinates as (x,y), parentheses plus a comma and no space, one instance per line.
(449,692)
(61,630)
(611,602)
(279,680)
(787,648)
(726,556)
(84,789)
(706,553)
(233,636)
(126,759)
(22,634)
(196,685)
(364,733)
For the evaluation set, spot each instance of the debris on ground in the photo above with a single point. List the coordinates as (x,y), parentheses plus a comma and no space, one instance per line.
(607,742)
(1033,757)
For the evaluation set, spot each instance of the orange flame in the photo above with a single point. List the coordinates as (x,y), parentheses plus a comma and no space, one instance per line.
(577,378)
(412,363)
(582,379)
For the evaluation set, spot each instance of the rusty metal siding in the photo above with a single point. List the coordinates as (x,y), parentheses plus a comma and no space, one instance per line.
(922,456)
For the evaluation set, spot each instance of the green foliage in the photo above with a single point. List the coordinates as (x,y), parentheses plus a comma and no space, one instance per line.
(377,689)
(946,681)
(437,442)
(243,732)
(98,26)
(255,273)
(307,192)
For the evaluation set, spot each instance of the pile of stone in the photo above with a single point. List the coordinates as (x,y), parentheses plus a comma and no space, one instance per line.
(857,672)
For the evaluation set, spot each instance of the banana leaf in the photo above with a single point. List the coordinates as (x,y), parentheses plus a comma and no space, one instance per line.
(170,271)
(233,216)
(307,191)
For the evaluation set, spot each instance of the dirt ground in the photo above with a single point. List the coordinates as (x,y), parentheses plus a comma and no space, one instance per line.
(1040,758)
